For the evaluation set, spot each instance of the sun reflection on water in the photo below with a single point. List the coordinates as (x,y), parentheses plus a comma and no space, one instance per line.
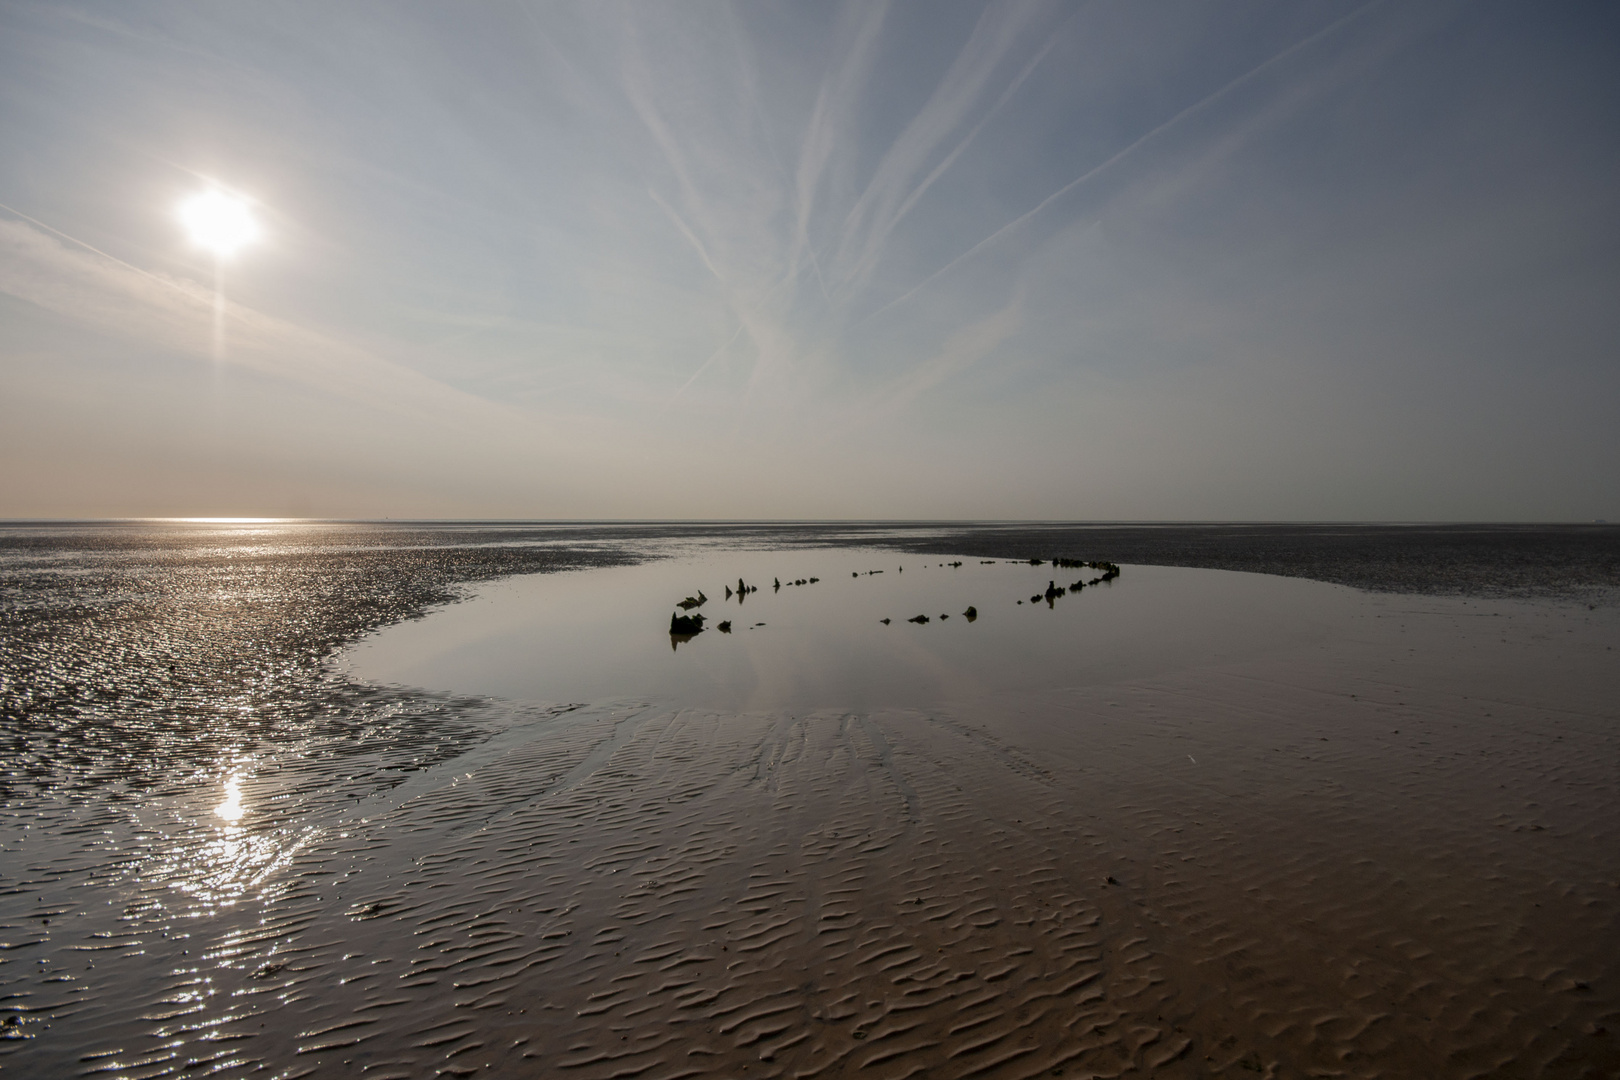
(220,859)
(231,809)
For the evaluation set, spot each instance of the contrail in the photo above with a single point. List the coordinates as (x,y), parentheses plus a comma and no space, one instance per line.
(1095,170)
(691,237)
(882,230)
(703,367)
(90,247)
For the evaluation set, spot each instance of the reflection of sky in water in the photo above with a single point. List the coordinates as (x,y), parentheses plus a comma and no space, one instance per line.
(601,635)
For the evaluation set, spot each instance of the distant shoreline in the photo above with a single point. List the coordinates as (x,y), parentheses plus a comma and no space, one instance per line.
(1564,562)
(1572,562)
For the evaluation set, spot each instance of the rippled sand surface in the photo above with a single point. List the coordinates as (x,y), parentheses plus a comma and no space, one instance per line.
(1206,825)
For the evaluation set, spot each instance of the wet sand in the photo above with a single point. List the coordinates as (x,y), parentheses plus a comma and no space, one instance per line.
(1387,850)
(1389,855)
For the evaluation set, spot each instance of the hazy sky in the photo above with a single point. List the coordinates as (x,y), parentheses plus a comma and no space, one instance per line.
(1118,260)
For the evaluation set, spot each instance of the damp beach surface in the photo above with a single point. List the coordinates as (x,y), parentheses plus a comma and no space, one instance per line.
(1184,823)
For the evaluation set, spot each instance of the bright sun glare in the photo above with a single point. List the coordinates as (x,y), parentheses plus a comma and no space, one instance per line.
(219,222)
(231,809)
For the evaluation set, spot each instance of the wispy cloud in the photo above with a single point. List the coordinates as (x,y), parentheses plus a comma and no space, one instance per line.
(174,315)
(837,98)
(971,345)
(899,181)
(791,248)
(799,242)
(1127,151)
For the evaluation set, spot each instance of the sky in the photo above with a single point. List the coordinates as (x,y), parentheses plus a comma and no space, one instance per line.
(1130,260)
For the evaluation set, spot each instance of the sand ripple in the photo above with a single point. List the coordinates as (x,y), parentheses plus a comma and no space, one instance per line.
(1237,873)
(1391,856)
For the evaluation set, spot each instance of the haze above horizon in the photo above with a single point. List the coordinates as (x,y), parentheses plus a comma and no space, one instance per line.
(1105,261)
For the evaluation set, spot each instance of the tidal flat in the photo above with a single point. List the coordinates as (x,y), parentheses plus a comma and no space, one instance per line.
(388,800)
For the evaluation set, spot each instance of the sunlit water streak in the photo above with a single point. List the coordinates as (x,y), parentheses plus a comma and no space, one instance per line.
(173,746)
(231,809)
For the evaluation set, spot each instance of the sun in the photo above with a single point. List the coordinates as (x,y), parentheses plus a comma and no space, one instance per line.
(219,222)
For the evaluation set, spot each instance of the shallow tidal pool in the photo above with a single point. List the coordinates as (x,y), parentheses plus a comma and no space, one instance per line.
(814,635)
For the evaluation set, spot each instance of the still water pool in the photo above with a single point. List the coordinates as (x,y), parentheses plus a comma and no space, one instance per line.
(599,635)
